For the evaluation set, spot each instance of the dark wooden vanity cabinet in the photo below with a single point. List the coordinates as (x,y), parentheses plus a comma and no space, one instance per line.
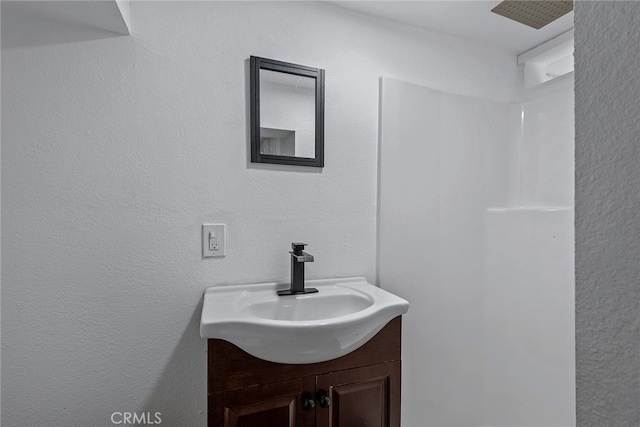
(359,389)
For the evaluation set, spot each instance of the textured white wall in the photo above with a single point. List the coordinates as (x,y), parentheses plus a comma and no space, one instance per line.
(117,149)
(607,209)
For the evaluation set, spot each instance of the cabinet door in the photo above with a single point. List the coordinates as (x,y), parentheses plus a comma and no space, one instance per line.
(276,404)
(363,397)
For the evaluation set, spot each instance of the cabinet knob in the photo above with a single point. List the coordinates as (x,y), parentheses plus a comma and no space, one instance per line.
(323,399)
(308,403)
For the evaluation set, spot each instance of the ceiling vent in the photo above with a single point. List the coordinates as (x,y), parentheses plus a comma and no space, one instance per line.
(534,13)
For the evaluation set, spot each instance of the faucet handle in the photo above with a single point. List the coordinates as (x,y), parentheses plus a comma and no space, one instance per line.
(298,247)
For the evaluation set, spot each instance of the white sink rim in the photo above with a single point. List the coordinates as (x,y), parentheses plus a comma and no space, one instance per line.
(297,341)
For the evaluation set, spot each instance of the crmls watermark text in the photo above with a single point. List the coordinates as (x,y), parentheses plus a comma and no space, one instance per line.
(131,418)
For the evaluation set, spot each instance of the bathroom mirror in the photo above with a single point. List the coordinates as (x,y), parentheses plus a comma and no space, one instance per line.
(287,113)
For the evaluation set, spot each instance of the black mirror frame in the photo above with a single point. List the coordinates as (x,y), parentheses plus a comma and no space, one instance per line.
(257,64)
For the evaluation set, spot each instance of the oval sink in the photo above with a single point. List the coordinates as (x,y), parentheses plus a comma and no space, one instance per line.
(335,302)
(342,316)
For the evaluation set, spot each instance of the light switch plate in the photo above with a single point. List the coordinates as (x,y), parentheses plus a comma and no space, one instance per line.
(214,240)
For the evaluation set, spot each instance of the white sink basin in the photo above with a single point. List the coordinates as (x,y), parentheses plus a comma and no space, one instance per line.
(309,328)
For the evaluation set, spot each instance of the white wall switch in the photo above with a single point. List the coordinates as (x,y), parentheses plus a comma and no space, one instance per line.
(214,240)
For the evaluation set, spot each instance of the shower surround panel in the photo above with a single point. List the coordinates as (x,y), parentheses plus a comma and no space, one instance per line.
(490,338)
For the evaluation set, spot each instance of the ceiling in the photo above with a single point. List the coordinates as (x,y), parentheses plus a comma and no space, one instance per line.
(107,15)
(471,19)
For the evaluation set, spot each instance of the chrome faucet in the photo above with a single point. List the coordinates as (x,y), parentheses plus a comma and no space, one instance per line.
(298,258)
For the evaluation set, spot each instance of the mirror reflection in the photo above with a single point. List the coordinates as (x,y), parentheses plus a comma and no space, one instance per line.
(287,114)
